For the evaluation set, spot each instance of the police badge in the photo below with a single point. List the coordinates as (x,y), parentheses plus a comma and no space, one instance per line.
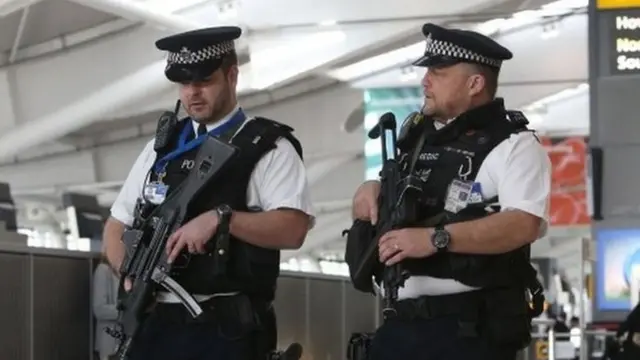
(186,56)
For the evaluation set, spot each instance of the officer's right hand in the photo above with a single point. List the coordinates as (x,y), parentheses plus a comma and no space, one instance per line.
(365,201)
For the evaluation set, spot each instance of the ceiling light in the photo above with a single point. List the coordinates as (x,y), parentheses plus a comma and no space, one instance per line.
(404,55)
(541,104)
(378,63)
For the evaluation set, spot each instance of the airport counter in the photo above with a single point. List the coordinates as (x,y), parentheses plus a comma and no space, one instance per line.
(45,309)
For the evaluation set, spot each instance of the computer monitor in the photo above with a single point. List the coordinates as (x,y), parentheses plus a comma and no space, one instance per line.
(8,216)
(86,216)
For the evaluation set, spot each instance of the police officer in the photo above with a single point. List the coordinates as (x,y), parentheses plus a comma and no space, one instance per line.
(468,262)
(264,191)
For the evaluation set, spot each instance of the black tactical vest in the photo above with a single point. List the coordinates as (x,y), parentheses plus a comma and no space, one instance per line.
(251,269)
(456,151)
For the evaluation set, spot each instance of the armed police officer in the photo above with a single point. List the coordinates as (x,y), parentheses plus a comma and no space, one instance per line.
(263,194)
(485,183)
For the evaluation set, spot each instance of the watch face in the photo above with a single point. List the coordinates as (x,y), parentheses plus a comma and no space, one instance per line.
(441,239)
(224,209)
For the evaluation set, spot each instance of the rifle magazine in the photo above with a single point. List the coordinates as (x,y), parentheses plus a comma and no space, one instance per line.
(176,289)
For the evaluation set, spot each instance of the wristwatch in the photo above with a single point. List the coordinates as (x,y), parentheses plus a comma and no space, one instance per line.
(224,212)
(440,238)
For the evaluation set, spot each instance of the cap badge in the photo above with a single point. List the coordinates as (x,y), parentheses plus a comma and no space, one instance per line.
(429,39)
(186,56)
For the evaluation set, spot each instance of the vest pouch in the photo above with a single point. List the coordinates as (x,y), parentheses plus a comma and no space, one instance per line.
(504,319)
(256,269)
(361,255)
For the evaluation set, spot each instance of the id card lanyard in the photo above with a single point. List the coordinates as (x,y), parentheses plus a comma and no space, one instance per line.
(184,146)
(156,191)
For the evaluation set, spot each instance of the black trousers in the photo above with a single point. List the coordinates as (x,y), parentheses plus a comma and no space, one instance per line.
(433,339)
(168,336)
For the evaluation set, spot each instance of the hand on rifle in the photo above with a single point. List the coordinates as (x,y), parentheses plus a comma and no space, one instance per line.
(365,202)
(193,235)
(397,245)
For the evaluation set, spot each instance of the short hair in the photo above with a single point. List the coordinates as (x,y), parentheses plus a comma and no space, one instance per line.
(490,75)
(229,60)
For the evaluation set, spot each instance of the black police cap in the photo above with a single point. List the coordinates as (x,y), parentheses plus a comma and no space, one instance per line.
(195,55)
(445,47)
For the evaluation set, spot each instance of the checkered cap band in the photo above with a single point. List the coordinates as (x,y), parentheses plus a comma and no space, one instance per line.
(444,48)
(188,57)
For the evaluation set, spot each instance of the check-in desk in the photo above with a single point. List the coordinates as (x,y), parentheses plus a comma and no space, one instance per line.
(45,308)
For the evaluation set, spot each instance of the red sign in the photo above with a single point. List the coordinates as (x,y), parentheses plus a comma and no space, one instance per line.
(568,189)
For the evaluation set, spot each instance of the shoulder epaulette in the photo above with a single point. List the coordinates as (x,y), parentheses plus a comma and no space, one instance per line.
(517,118)
(262,126)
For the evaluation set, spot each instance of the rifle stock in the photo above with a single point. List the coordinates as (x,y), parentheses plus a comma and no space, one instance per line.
(145,262)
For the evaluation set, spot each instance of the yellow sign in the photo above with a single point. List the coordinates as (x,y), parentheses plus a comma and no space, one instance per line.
(588,280)
(542,350)
(618,4)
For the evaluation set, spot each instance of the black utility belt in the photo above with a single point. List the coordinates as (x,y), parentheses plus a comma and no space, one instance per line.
(217,308)
(433,306)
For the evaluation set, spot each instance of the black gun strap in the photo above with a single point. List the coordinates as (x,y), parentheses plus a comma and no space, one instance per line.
(415,155)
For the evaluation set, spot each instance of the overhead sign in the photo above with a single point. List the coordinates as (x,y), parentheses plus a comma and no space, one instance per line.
(618,4)
(620,41)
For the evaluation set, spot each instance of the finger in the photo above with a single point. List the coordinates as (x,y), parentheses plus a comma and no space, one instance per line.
(388,252)
(172,240)
(191,247)
(387,238)
(200,247)
(399,256)
(354,209)
(373,211)
(128,284)
(360,211)
(176,250)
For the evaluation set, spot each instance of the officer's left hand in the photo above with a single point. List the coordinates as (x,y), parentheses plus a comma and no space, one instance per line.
(397,245)
(192,235)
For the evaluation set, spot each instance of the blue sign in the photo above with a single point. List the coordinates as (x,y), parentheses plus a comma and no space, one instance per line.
(401,102)
(617,253)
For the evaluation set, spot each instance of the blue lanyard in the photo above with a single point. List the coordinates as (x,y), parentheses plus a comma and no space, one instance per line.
(184,146)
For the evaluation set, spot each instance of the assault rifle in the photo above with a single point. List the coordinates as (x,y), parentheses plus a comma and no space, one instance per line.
(399,195)
(145,262)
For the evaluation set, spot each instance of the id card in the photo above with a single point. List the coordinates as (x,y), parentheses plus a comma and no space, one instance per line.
(458,195)
(155,192)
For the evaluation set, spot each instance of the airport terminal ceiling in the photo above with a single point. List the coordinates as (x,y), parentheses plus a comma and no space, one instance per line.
(81,83)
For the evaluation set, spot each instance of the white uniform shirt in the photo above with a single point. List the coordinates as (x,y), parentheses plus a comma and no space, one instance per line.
(518,171)
(278,180)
